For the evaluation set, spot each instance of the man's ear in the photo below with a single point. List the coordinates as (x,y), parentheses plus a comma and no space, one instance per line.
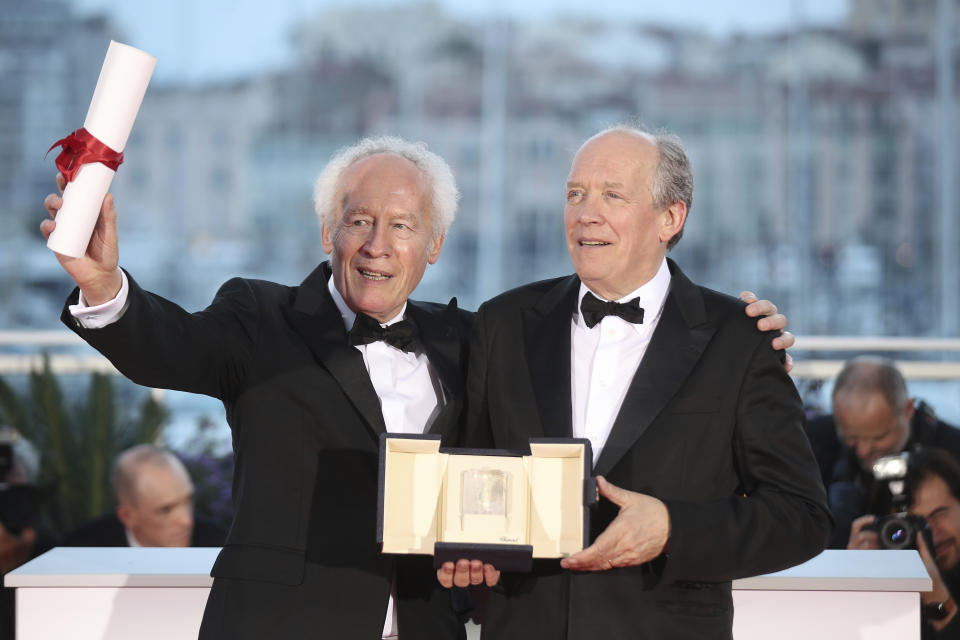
(908,410)
(674,217)
(436,244)
(326,239)
(126,515)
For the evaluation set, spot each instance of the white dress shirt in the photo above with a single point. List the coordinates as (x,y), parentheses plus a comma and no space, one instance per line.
(605,358)
(409,391)
(408,387)
(131,541)
(410,397)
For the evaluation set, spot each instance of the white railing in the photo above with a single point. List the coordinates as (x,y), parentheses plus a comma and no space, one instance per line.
(824,369)
(858,343)
(38,342)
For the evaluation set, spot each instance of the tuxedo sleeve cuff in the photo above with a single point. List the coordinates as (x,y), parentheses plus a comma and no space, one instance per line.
(101,315)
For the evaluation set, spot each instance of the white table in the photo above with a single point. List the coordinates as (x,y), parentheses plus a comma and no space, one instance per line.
(112,593)
(849,595)
(159,594)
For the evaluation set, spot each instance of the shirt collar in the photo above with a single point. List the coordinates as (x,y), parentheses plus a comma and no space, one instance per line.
(652,295)
(349,315)
(131,541)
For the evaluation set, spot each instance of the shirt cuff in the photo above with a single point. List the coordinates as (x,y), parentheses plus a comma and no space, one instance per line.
(104,314)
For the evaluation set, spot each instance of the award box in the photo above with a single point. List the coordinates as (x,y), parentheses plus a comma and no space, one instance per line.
(500,506)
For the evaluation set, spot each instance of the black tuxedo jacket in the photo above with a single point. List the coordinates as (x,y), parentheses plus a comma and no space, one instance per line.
(108,531)
(711,424)
(301,557)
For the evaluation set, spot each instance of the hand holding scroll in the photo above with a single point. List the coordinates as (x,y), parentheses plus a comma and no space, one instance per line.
(96,272)
(91,155)
(637,535)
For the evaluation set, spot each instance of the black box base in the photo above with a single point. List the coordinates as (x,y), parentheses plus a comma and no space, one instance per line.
(505,557)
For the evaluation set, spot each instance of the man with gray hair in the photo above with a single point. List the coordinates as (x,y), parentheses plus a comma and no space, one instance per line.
(154,496)
(310,376)
(695,427)
(873,416)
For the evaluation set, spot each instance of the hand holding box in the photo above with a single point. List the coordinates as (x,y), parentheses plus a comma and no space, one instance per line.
(501,507)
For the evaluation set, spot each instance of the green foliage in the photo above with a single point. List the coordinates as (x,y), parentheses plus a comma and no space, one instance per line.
(77,442)
(12,411)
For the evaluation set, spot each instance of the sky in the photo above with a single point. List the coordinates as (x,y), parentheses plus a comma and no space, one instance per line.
(198,40)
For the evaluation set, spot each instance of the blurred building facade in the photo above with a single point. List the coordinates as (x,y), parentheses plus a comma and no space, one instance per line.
(815,153)
(49,62)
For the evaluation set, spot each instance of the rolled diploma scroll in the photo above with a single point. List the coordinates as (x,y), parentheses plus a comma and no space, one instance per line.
(116,100)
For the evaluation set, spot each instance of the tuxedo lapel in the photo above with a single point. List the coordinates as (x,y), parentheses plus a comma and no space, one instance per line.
(677,344)
(546,329)
(441,342)
(317,320)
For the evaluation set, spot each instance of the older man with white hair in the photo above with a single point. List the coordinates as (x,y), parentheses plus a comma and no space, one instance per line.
(310,376)
(696,429)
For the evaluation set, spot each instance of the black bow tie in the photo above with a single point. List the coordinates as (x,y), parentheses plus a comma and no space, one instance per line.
(594,310)
(402,335)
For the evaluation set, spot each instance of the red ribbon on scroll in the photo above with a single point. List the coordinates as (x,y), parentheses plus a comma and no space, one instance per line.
(80,148)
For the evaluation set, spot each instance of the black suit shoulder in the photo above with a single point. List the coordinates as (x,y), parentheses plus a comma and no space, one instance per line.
(823,428)
(827,448)
(250,300)
(929,430)
(701,306)
(464,322)
(727,313)
(464,318)
(108,531)
(207,533)
(718,307)
(723,306)
(105,531)
(264,290)
(527,295)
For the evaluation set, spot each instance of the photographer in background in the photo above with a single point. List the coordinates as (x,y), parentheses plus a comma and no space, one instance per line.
(933,492)
(872,417)
(20,537)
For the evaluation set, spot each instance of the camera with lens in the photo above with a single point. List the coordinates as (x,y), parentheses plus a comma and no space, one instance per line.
(899,529)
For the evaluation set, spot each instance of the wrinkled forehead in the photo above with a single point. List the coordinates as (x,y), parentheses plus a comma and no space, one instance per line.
(383,180)
(161,481)
(616,152)
(864,414)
